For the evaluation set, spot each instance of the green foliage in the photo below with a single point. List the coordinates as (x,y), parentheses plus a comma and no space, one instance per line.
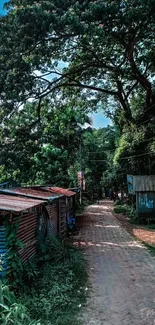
(71,57)
(85,203)
(128,210)
(11,311)
(120,209)
(108,46)
(41,149)
(92,158)
(150,248)
(52,288)
(151,226)
(60,287)
(14,263)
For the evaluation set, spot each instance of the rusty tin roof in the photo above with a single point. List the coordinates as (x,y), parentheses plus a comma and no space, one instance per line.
(33,192)
(17,204)
(60,190)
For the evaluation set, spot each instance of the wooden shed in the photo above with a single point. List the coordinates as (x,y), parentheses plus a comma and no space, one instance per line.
(24,212)
(53,218)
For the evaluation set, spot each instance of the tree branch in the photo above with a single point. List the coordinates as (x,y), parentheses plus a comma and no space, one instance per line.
(131,89)
(139,76)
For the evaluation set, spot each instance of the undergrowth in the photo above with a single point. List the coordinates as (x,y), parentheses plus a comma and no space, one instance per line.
(11,310)
(150,248)
(128,210)
(54,286)
(150,226)
(85,203)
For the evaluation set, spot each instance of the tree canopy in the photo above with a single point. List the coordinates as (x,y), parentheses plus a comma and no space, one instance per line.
(108,47)
(77,56)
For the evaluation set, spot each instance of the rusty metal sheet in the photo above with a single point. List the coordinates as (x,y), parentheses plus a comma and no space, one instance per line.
(33,192)
(27,234)
(17,204)
(60,190)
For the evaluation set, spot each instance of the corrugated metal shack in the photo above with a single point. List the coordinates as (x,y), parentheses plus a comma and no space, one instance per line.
(145,196)
(70,198)
(54,210)
(144,189)
(25,212)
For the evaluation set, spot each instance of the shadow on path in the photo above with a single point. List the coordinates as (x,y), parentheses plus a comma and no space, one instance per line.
(122,272)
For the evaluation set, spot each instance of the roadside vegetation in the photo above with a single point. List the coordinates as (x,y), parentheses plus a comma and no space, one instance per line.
(143,233)
(128,210)
(52,291)
(71,59)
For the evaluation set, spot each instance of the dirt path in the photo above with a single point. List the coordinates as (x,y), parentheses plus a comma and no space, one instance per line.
(122,272)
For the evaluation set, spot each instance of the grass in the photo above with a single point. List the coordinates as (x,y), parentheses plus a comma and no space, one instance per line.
(60,289)
(120,209)
(128,210)
(53,290)
(80,208)
(151,226)
(150,248)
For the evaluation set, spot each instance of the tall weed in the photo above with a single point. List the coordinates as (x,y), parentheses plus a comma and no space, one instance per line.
(61,287)
(11,311)
(128,210)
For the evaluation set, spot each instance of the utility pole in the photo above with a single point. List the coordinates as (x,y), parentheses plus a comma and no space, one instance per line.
(80,177)
(81,180)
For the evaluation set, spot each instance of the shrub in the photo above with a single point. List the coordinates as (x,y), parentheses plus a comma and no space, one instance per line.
(52,288)
(120,209)
(60,287)
(128,210)
(11,311)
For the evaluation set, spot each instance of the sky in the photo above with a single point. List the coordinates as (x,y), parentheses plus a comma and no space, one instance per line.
(99,120)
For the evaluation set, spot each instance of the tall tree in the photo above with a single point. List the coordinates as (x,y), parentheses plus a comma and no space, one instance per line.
(33,150)
(108,45)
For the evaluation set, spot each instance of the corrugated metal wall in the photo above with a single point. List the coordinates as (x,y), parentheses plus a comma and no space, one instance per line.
(28,230)
(27,234)
(145,202)
(53,219)
(3,250)
(62,217)
(145,183)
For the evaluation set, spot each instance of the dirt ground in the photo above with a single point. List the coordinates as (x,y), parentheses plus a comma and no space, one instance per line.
(122,271)
(140,232)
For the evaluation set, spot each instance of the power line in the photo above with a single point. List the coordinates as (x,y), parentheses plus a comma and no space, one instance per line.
(98,160)
(100,151)
(149,108)
(144,122)
(149,118)
(141,141)
(143,154)
(127,157)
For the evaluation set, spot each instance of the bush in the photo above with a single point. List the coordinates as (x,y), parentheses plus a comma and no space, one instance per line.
(128,210)
(85,203)
(53,288)
(11,311)
(60,288)
(120,209)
